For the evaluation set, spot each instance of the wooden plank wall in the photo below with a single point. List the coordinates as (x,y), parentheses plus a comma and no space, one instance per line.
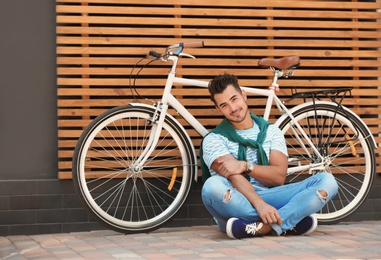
(99,41)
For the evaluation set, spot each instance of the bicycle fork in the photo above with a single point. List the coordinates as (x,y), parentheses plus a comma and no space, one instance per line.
(157,121)
(157,125)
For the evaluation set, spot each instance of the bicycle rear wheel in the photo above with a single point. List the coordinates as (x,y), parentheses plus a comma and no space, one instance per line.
(346,146)
(117,193)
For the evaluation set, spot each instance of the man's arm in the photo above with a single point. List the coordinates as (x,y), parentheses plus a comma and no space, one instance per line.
(232,169)
(273,174)
(270,175)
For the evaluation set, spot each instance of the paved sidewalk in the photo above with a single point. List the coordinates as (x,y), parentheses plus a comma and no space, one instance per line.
(360,240)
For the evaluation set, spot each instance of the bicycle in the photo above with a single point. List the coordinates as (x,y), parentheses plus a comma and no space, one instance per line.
(134,165)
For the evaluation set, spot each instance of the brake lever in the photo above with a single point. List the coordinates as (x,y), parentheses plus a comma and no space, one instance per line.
(187,55)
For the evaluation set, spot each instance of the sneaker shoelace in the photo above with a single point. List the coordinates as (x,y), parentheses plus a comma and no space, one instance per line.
(253,228)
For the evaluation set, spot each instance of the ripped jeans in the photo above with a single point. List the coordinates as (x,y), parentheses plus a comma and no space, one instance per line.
(293,201)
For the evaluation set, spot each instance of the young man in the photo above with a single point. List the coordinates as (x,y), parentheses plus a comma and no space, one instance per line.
(245,145)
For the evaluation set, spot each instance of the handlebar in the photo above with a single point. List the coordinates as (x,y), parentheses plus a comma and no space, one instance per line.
(179,48)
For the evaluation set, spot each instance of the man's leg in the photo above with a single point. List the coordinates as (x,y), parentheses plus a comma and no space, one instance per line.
(298,200)
(223,201)
(293,201)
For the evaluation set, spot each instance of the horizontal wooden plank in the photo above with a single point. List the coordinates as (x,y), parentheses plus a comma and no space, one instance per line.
(244,82)
(66,153)
(87,112)
(64,144)
(222,32)
(65,175)
(69,154)
(202,92)
(213,71)
(63,133)
(187,102)
(341,44)
(216,118)
(207,112)
(216,22)
(245,3)
(242,52)
(209,121)
(231,12)
(306,62)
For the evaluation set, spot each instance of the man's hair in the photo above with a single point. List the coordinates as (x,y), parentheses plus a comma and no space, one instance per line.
(219,84)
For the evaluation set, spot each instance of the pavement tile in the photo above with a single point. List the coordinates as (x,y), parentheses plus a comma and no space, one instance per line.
(212,255)
(177,252)
(146,250)
(96,255)
(67,255)
(127,256)
(341,241)
(161,256)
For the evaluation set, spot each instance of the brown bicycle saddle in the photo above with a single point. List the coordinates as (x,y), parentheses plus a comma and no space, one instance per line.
(284,63)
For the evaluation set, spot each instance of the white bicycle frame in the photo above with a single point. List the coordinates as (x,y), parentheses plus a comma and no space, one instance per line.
(169,100)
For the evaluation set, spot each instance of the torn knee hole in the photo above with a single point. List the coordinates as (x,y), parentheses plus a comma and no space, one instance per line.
(227,196)
(322,194)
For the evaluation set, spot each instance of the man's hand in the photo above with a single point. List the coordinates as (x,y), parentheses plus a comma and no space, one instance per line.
(227,165)
(268,213)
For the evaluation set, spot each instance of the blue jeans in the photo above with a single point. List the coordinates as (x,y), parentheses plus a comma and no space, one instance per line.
(293,201)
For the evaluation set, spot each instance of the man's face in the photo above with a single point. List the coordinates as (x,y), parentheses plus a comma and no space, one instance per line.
(232,104)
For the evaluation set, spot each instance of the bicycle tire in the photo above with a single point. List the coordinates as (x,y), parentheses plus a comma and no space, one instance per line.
(123,198)
(350,152)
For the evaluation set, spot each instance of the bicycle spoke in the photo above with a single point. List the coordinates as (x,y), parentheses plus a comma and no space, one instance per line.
(125,196)
(347,155)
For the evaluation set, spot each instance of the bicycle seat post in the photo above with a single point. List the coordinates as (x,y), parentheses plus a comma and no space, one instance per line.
(277,74)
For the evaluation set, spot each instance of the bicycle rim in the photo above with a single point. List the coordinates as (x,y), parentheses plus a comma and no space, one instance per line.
(120,196)
(345,143)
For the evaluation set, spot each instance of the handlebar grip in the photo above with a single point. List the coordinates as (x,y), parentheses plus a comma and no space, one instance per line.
(193,44)
(154,54)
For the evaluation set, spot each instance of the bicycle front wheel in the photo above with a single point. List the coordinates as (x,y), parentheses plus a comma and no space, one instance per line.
(119,194)
(346,145)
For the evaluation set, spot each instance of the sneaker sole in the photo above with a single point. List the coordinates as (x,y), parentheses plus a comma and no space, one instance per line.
(229,225)
(314,225)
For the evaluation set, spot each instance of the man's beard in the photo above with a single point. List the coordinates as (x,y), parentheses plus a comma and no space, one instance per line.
(231,120)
